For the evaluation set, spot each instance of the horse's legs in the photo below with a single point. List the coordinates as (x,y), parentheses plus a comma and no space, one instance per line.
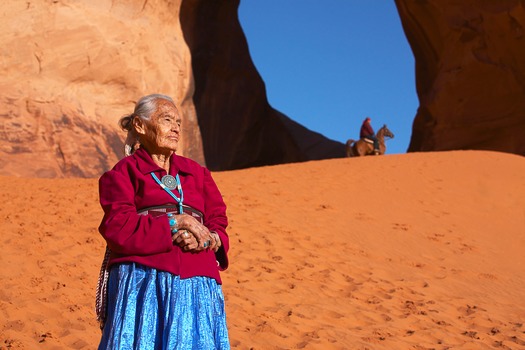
(382,148)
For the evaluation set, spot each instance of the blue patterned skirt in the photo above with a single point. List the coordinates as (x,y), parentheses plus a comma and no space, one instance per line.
(152,309)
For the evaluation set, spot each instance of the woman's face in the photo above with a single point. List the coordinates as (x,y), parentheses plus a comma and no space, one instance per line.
(161,133)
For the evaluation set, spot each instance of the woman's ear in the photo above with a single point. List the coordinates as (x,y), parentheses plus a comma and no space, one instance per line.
(139,126)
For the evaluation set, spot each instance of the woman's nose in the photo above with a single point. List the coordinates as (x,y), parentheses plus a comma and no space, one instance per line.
(176,127)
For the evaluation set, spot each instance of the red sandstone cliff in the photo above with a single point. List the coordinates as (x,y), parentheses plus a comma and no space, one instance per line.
(71,69)
(470,73)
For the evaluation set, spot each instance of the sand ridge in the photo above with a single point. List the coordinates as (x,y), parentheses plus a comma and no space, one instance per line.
(414,251)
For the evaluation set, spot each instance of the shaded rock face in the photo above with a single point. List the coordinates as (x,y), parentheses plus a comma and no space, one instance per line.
(470,73)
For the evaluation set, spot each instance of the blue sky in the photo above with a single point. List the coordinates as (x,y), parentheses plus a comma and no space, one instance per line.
(328,64)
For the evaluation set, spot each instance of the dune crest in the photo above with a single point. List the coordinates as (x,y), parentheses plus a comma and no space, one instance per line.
(420,251)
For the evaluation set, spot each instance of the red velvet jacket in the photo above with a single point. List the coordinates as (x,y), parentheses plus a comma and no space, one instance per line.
(146,239)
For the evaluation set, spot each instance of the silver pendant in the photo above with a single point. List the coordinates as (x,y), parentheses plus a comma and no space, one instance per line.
(169,181)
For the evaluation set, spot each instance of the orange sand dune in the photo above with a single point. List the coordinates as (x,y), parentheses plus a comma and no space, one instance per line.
(415,251)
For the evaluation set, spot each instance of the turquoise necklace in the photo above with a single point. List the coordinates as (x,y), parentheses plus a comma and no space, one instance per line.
(169,183)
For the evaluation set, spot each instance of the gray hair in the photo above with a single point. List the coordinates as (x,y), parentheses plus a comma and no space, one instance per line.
(144,109)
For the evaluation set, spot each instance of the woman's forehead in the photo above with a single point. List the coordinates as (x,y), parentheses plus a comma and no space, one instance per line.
(164,106)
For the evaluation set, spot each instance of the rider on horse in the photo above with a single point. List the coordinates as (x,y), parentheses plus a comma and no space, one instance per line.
(367,132)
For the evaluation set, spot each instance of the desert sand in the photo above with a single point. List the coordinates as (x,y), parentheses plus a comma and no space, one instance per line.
(412,251)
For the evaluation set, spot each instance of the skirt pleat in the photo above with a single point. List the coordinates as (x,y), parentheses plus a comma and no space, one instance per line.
(151,309)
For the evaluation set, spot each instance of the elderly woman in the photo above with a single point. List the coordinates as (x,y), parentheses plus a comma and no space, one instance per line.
(165,227)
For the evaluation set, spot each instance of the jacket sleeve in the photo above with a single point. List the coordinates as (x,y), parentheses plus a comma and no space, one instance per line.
(125,231)
(215,218)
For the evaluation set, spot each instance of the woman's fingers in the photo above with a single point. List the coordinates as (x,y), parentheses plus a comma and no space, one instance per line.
(198,230)
(187,241)
(182,238)
(194,236)
(217,240)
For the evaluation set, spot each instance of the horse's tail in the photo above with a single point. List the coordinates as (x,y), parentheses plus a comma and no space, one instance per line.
(349,148)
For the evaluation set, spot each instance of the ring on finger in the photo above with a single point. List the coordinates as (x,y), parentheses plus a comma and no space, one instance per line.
(186,234)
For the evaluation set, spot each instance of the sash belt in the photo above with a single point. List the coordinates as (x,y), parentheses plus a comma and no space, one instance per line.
(164,209)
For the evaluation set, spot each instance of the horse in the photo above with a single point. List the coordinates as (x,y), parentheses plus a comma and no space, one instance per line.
(365,147)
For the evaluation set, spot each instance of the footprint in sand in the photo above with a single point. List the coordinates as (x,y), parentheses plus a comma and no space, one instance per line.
(402,227)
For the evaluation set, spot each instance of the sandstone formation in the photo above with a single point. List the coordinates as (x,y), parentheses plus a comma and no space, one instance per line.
(470,73)
(71,69)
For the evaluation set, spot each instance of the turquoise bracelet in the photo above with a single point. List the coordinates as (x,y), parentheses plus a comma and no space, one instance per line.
(173,223)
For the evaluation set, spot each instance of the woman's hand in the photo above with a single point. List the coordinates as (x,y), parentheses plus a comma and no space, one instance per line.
(218,242)
(194,236)
(185,240)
